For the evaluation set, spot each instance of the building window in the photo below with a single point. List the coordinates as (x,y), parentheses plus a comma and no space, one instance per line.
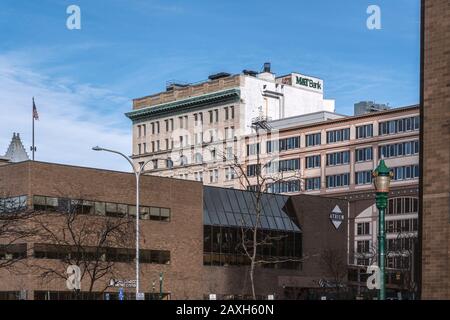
(183,160)
(253,149)
(363,177)
(166,122)
(284,186)
(139,149)
(214,176)
(312,184)
(365,131)
(313,162)
(198,158)
(216,113)
(171,124)
(230,173)
(153,127)
(283,166)
(13,204)
(283,144)
(338,135)
(180,121)
(313,139)
(211,119)
(213,154)
(399,149)
(198,176)
(363,246)
(406,172)
(229,153)
(139,131)
(399,125)
(232,112)
(364,154)
(229,132)
(226,113)
(339,180)
(169,164)
(253,170)
(338,158)
(402,205)
(363,228)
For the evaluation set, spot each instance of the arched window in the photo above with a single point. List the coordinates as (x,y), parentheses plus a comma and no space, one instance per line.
(198,158)
(183,160)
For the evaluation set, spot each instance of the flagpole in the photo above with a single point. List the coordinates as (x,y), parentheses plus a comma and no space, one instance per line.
(32,138)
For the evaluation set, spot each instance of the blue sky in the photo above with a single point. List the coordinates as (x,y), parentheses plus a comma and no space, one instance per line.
(84,80)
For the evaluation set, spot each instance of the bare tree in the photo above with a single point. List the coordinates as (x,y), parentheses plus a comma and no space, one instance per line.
(86,240)
(253,237)
(14,231)
(335,266)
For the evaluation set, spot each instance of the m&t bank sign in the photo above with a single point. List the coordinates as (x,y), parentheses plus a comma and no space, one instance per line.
(308,82)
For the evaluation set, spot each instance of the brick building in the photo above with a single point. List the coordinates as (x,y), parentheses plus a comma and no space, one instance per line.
(436,149)
(185,232)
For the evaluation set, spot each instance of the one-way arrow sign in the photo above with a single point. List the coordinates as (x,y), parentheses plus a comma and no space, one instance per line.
(336,216)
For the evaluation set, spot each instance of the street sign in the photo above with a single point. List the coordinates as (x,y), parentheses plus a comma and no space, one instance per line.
(140,296)
(121,295)
(336,216)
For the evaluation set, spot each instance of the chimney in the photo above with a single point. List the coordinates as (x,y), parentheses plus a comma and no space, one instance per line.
(267,67)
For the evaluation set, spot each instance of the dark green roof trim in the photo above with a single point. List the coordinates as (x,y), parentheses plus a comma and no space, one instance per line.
(193,102)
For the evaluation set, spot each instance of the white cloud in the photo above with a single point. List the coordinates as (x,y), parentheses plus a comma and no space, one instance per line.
(73,117)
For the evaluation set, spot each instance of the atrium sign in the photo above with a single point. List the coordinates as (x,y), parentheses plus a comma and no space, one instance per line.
(310,83)
(336,217)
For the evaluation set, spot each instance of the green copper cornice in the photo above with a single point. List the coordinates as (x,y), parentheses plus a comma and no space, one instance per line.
(193,102)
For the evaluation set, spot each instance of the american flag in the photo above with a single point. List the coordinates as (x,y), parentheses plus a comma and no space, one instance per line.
(35,113)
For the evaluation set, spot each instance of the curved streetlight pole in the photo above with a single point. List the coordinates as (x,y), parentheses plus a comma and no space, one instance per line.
(137,174)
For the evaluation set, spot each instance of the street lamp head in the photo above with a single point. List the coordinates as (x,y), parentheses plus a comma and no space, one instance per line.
(97,148)
(382,177)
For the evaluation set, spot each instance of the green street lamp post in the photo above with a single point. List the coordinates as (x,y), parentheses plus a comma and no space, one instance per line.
(382,178)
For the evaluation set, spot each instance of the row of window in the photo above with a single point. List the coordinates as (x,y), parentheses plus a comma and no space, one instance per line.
(13,204)
(399,149)
(365,131)
(404,205)
(338,135)
(283,165)
(338,180)
(399,125)
(284,186)
(64,252)
(403,225)
(392,226)
(223,246)
(338,158)
(406,172)
(183,121)
(99,208)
